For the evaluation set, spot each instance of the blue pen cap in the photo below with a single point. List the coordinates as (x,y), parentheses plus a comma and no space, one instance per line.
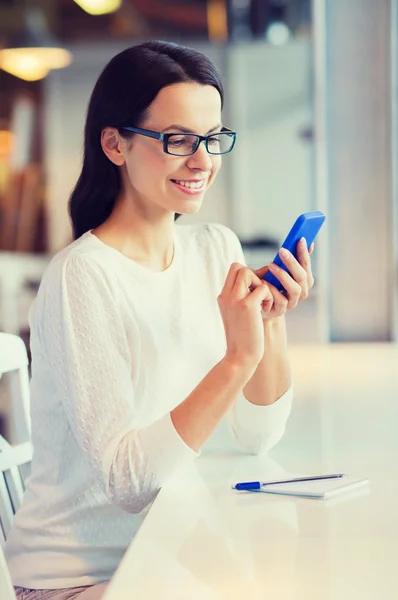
(252,485)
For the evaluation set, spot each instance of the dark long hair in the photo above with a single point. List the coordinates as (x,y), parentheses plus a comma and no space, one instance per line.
(121,97)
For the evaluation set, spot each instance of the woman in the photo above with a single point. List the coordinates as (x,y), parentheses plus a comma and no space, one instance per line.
(144,333)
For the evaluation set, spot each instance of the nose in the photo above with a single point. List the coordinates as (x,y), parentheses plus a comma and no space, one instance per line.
(201,159)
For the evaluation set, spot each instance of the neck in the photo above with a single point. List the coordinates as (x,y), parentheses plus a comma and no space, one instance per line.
(144,238)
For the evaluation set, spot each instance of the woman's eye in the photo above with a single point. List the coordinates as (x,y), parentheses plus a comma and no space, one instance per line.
(177,142)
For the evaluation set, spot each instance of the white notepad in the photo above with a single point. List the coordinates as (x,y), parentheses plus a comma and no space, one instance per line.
(323,489)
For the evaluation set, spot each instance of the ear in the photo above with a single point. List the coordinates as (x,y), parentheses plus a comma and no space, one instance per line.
(112,145)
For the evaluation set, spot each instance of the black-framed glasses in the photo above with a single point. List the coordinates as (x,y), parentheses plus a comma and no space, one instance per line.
(185,144)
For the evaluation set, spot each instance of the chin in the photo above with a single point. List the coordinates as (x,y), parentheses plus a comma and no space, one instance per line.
(188,206)
(189,210)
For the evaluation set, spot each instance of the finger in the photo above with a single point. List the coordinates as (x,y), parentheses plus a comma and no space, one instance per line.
(305,262)
(262,297)
(246,281)
(261,272)
(297,272)
(280,302)
(268,302)
(295,268)
(311,249)
(293,289)
(302,250)
(231,278)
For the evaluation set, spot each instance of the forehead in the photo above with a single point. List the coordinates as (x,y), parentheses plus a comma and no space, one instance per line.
(192,105)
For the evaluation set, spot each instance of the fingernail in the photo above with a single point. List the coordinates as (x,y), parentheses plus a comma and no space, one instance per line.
(284,253)
(303,241)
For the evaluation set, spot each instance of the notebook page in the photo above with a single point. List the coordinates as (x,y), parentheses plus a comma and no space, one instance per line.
(326,488)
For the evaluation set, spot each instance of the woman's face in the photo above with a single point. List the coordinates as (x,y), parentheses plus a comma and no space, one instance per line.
(151,175)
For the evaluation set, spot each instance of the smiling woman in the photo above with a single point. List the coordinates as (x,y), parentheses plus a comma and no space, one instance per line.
(156,174)
(150,86)
(145,334)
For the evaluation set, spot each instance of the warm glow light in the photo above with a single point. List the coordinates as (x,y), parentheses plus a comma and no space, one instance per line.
(217,20)
(99,7)
(6,142)
(32,64)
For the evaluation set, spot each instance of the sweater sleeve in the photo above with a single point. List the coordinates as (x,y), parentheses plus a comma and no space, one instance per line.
(84,339)
(256,428)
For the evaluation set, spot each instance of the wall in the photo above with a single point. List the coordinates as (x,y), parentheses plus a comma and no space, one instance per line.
(356,96)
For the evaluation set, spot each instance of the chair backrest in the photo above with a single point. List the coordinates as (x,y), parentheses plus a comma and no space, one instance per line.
(6,588)
(14,361)
(13,353)
(12,461)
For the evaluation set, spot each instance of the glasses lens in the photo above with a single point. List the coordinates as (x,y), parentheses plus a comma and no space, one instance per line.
(220,143)
(182,144)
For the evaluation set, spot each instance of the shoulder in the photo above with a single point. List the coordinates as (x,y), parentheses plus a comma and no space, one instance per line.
(76,280)
(80,263)
(214,245)
(224,235)
(210,235)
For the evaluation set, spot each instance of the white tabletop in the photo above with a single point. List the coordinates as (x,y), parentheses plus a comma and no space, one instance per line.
(203,540)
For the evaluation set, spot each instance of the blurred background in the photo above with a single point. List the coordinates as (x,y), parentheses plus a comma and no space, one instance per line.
(311,88)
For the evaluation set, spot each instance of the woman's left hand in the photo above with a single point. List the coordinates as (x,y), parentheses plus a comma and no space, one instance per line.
(297,285)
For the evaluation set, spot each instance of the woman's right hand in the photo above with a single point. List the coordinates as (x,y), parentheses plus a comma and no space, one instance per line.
(241,302)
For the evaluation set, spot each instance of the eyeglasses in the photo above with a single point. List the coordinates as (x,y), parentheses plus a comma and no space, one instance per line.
(185,144)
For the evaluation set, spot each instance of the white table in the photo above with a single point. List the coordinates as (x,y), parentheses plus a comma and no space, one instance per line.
(203,540)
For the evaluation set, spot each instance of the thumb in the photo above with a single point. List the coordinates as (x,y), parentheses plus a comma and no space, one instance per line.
(261,272)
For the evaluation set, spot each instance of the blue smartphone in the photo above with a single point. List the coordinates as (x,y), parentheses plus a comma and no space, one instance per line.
(307,225)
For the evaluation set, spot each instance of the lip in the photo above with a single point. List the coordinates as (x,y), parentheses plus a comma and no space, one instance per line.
(190,191)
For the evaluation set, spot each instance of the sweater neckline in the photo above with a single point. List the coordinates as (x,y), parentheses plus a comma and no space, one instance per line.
(138,267)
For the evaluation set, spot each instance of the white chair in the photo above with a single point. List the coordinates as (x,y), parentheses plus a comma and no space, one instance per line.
(14,361)
(12,486)
(6,589)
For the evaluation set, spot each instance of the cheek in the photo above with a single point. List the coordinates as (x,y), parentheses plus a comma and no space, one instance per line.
(160,166)
(148,169)
(216,165)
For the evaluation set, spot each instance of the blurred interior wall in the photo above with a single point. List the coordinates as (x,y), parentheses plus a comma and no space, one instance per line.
(270,97)
(354,94)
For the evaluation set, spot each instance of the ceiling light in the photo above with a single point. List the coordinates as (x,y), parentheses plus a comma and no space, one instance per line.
(33,52)
(99,7)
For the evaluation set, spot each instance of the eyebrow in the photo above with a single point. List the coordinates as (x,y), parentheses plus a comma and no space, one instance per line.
(185,130)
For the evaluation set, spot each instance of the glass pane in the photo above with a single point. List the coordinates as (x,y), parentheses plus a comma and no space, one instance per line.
(220,143)
(182,144)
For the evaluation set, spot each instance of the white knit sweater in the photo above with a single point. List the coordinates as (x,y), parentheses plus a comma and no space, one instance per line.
(115,348)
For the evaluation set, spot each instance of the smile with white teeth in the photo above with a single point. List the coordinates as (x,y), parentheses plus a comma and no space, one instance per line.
(195,185)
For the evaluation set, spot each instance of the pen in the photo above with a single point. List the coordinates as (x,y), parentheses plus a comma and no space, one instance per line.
(256,485)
